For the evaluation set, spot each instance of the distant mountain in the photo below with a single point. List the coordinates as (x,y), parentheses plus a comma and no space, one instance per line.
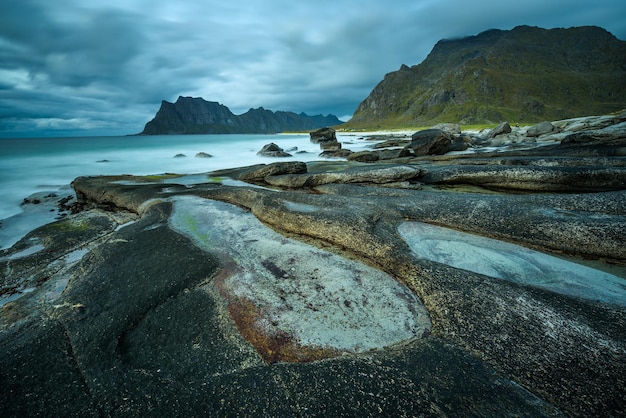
(527,74)
(198,116)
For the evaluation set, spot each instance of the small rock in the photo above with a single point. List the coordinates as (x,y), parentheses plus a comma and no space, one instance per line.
(179,156)
(203,155)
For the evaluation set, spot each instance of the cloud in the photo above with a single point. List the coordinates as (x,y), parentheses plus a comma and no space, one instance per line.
(103,67)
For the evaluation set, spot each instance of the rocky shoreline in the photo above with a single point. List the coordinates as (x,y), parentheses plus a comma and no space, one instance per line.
(322,288)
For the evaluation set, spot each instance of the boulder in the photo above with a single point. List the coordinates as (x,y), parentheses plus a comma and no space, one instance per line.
(430,142)
(272,150)
(503,128)
(323,135)
(335,153)
(363,156)
(452,128)
(460,144)
(541,128)
(203,155)
(330,145)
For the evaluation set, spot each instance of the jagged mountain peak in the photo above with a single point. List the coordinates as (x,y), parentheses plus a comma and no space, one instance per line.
(194,115)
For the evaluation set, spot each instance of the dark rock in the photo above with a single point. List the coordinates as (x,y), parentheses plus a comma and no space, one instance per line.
(363,156)
(377,174)
(394,142)
(531,178)
(540,129)
(391,154)
(123,310)
(430,142)
(336,153)
(460,144)
(260,173)
(272,150)
(503,128)
(180,155)
(330,145)
(203,155)
(198,116)
(323,135)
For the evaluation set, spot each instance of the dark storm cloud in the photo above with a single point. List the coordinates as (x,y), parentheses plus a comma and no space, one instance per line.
(103,67)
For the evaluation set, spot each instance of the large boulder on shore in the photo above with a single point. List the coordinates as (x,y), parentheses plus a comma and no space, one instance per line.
(430,142)
(323,135)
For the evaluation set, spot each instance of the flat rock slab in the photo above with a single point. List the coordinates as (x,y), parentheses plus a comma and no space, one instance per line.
(294,301)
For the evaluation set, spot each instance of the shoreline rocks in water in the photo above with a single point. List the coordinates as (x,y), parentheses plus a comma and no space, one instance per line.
(159,294)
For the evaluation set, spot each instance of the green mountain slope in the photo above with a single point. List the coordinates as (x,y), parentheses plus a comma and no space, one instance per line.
(527,74)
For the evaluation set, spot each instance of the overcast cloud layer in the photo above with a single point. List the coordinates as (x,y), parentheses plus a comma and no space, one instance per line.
(102,67)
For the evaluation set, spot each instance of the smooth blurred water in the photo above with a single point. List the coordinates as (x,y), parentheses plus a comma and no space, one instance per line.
(48,164)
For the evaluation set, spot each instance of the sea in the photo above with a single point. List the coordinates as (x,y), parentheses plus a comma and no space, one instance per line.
(46,166)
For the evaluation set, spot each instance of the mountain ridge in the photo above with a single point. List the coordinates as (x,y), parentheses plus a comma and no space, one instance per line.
(194,115)
(527,74)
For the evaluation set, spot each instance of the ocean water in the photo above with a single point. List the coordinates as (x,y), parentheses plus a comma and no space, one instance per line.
(29,166)
(47,164)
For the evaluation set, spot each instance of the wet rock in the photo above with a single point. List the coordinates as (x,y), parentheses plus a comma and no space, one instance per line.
(374,174)
(501,129)
(336,153)
(363,156)
(531,178)
(330,145)
(261,172)
(430,142)
(323,135)
(395,142)
(305,303)
(460,144)
(177,298)
(203,155)
(272,150)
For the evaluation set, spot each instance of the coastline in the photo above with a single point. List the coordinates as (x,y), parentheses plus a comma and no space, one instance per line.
(191,287)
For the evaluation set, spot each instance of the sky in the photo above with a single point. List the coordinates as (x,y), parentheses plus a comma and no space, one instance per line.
(102,67)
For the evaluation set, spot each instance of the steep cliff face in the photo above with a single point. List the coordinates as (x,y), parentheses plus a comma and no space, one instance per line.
(525,74)
(198,116)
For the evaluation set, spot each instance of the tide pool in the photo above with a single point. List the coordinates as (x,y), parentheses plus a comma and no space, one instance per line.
(512,262)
